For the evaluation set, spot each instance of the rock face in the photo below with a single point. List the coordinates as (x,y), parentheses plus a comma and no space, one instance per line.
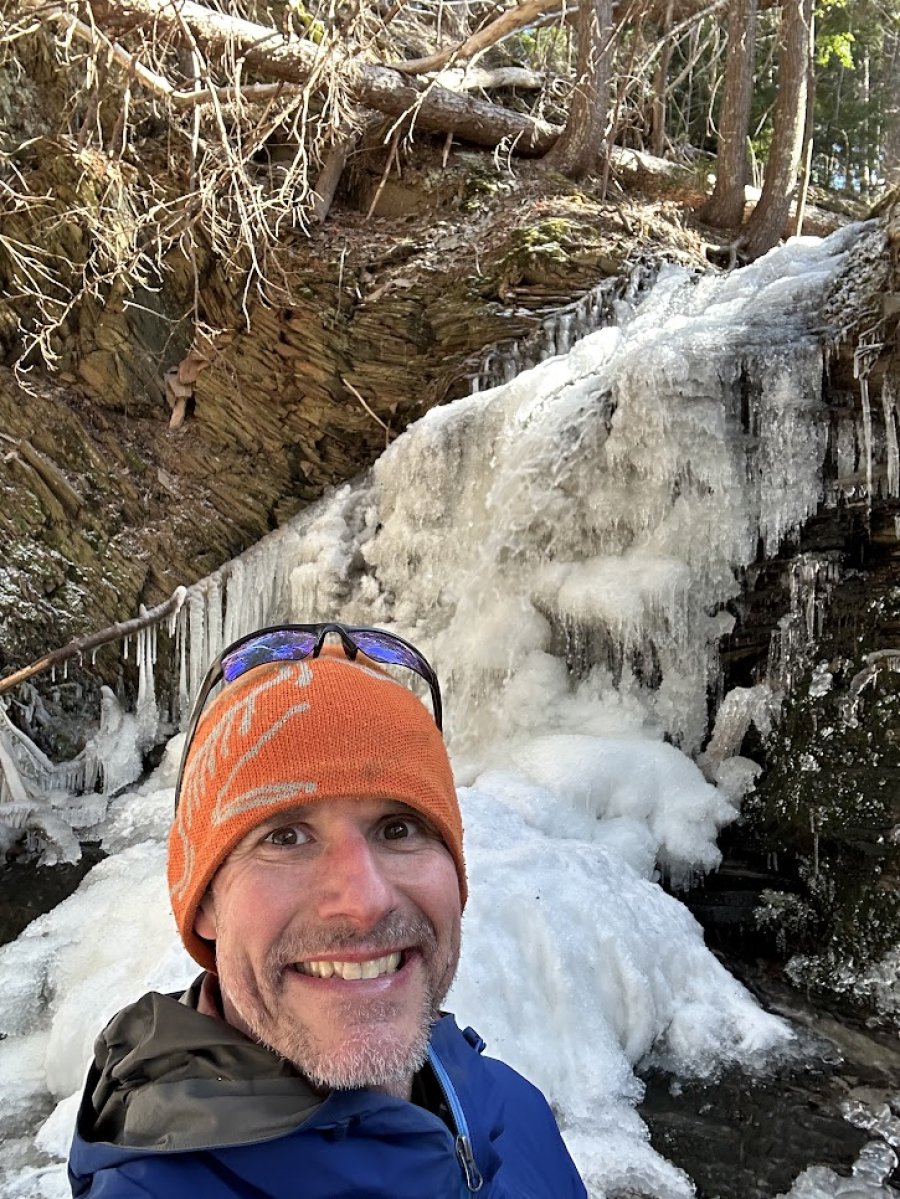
(817,853)
(825,815)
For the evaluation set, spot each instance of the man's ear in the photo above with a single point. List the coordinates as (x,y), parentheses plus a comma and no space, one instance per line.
(205,920)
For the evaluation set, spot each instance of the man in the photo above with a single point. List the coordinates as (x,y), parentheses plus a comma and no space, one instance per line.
(316,872)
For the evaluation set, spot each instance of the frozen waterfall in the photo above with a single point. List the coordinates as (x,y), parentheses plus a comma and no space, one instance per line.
(564,548)
(577,532)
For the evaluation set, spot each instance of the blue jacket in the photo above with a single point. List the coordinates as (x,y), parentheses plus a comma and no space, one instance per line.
(181,1106)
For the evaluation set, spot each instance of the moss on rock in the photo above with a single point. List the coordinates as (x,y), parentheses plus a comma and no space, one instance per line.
(828,805)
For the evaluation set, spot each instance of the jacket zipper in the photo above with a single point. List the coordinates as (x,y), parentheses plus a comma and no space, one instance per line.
(470,1170)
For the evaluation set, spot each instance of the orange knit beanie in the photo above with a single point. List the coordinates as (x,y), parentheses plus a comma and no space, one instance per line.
(289,734)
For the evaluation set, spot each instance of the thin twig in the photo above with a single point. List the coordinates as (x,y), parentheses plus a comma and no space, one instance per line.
(388,432)
(392,156)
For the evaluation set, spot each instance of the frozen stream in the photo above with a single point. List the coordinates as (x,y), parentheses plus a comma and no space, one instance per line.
(564,548)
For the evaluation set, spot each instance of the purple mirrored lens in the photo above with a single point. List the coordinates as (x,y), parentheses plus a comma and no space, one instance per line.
(282,645)
(385,649)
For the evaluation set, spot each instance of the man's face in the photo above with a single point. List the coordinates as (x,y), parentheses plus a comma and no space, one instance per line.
(337,933)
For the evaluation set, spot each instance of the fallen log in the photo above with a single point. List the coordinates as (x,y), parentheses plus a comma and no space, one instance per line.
(293,59)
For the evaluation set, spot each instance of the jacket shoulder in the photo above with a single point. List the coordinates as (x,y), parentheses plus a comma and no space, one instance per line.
(529,1140)
(514,1128)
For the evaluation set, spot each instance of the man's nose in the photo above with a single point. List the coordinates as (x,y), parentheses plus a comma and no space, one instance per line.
(352,885)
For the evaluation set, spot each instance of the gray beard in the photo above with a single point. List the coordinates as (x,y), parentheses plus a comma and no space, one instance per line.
(390,1064)
(382,1061)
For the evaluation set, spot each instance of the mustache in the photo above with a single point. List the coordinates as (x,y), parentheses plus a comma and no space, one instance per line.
(311,941)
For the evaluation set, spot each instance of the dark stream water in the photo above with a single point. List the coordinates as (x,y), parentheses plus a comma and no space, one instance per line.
(27,891)
(741,1137)
(738,1137)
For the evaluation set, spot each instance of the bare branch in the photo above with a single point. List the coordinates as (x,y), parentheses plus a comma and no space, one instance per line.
(252,93)
(83,645)
(522,15)
(388,433)
(461,79)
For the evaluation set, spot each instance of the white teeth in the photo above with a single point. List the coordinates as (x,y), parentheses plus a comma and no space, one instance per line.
(352,970)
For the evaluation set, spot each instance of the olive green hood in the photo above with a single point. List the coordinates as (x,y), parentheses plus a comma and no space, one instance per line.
(167,1077)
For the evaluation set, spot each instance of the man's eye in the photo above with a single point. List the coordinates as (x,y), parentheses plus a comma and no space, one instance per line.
(399,828)
(286,836)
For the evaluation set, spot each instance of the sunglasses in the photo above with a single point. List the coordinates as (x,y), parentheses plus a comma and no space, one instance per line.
(293,643)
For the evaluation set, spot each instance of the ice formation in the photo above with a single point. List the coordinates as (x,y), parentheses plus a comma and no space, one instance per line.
(563,547)
(563,327)
(868,1180)
(580,529)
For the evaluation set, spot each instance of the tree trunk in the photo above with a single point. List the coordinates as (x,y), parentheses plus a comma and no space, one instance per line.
(267,51)
(725,207)
(658,113)
(865,166)
(892,112)
(764,229)
(577,150)
(808,127)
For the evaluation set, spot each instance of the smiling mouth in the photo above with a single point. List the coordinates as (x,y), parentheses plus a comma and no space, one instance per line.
(374,968)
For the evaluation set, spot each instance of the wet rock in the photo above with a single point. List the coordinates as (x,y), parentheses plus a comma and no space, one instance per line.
(746,1137)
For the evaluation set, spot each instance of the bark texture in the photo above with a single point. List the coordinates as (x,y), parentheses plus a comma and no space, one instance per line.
(764,229)
(660,81)
(581,143)
(725,207)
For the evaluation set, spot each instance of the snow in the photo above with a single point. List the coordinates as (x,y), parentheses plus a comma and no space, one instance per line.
(563,548)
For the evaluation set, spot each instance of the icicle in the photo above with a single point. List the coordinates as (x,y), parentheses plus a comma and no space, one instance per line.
(115,748)
(512,364)
(867,437)
(811,581)
(214,642)
(196,642)
(181,650)
(146,712)
(558,333)
(13,789)
(846,453)
(889,403)
(741,707)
